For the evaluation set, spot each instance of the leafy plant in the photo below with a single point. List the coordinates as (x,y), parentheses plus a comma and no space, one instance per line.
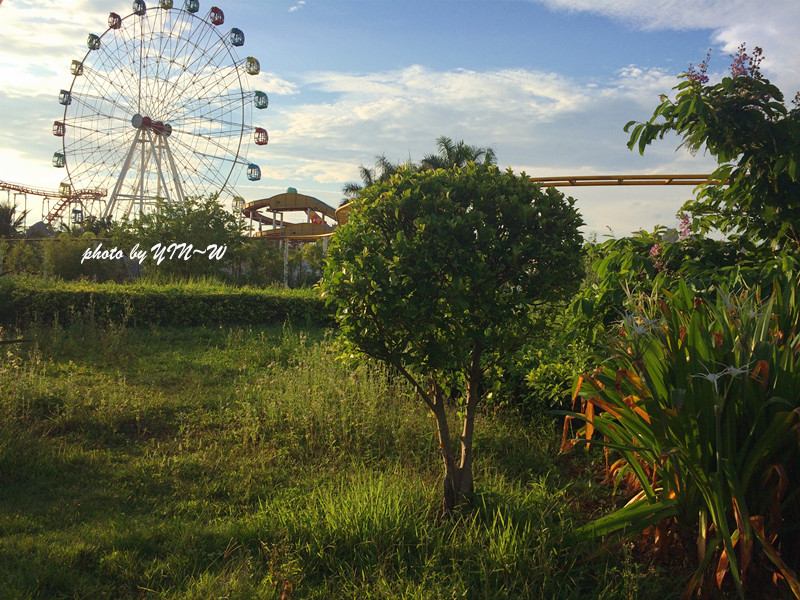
(701,402)
(744,123)
(650,261)
(435,274)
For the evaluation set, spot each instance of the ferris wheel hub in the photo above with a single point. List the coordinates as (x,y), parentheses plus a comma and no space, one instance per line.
(145,123)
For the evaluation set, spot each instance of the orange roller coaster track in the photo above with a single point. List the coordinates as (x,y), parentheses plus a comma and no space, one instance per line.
(597,180)
(591,180)
(64,199)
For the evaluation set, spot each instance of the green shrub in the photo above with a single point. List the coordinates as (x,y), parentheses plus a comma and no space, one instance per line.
(29,300)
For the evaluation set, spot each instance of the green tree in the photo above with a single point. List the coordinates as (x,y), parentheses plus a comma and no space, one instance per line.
(200,222)
(743,122)
(436,274)
(457,154)
(10,222)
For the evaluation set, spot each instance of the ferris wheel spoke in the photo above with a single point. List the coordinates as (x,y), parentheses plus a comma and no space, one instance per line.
(208,141)
(218,114)
(210,95)
(204,58)
(195,51)
(211,71)
(109,63)
(196,173)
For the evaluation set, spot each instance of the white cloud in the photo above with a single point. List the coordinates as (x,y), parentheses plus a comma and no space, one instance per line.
(773,25)
(542,123)
(322,125)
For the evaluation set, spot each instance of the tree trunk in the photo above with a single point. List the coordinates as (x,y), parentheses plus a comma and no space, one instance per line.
(458,483)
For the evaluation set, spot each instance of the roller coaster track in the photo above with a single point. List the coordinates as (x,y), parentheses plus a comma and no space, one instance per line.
(63,200)
(590,180)
(595,180)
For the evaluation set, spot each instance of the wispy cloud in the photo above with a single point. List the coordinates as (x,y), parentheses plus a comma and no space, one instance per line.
(535,120)
(772,25)
(300,4)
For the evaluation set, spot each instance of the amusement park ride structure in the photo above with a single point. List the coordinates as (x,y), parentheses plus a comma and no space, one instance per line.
(314,227)
(159,108)
(342,213)
(64,197)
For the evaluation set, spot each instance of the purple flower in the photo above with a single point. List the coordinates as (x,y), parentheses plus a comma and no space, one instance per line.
(685,225)
(655,253)
(698,74)
(745,65)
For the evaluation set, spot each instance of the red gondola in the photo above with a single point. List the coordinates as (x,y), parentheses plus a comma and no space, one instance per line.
(114,21)
(262,137)
(58,128)
(217,16)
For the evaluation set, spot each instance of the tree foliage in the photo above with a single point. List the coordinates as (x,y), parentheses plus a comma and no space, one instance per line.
(744,123)
(450,154)
(200,222)
(11,222)
(457,154)
(435,274)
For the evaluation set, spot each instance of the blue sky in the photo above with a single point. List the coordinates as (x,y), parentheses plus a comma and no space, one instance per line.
(549,84)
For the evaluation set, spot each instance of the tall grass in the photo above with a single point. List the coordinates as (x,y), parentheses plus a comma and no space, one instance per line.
(251,463)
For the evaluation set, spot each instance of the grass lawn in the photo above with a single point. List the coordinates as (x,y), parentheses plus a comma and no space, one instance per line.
(229,463)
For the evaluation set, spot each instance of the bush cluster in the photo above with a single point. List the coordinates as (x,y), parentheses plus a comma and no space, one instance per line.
(26,300)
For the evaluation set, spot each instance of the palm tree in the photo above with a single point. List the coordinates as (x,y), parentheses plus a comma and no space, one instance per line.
(457,154)
(451,154)
(10,224)
(383,170)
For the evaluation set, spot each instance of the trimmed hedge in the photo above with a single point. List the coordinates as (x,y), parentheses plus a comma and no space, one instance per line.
(25,300)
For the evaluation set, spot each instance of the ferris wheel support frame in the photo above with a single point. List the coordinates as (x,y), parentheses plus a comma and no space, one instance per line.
(146,154)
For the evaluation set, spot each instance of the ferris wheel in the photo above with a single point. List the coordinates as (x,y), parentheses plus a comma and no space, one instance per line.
(159,108)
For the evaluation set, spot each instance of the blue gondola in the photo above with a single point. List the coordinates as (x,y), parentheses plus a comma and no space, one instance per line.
(236,37)
(253,172)
(261,100)
(58,160)
(64,98)
(192,6)
(93,42)
(139,7)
